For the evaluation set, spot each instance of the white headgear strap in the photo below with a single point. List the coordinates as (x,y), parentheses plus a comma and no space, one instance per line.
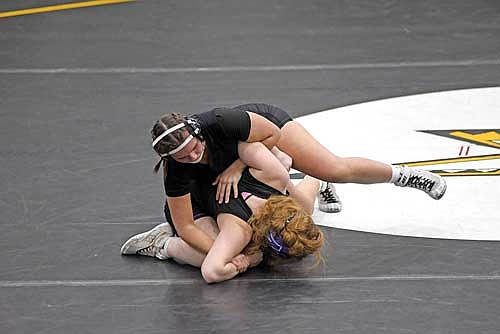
(168,131)
(180,147)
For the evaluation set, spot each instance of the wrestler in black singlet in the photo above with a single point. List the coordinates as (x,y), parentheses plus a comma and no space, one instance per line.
(221,129)
(203,206)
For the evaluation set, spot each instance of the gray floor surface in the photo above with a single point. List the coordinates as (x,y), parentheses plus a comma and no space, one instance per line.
(79,91)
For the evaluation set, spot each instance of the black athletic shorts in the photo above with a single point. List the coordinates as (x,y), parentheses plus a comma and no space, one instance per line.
(198,192)
(274,114)
(204,203)
(238,206)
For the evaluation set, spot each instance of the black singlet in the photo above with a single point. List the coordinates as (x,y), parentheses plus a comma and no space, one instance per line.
(222,128)
(238,206)
(203,200)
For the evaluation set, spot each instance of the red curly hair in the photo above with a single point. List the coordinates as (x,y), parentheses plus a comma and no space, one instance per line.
(283,215)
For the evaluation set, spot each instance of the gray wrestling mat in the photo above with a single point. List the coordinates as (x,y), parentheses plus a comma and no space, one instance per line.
(79,90)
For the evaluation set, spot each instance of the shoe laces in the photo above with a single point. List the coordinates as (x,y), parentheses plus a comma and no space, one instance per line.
(421,182)
(151,240)
(146,251)
(328,195)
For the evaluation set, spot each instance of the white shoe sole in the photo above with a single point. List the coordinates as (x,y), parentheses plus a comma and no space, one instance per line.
(125,249)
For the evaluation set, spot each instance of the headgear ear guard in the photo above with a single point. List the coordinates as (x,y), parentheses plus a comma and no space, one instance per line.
(194,127)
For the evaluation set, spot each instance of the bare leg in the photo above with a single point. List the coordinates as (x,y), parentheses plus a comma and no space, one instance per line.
(181,252)
(312,158)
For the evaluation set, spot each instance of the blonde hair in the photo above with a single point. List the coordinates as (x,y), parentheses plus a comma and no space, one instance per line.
(284,216)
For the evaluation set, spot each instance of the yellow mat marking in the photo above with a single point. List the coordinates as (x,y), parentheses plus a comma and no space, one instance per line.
(61,7)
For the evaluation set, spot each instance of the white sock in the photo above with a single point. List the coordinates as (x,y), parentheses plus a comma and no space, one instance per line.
(396,174)
(400,175)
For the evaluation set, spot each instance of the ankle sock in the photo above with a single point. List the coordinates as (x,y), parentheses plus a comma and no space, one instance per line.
(396,173)
(400,175)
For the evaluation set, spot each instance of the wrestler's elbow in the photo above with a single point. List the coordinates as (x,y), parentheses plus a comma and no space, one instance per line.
(282,174)
(182,232)
(282,157)
(274,137)
(214,273)
(210,274)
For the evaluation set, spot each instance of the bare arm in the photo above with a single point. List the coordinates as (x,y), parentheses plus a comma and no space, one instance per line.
(255,258)
(261,130)
(182,216)
(264,165)
(267,168)
(304,192)
(234,235)
(228,180)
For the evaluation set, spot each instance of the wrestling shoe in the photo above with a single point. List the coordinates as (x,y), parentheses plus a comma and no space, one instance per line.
(150,243)
(328,200)
(432,184)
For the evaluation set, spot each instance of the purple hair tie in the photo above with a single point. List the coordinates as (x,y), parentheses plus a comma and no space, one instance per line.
(275,242)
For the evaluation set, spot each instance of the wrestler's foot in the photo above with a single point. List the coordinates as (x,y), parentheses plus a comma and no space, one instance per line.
(150,243)
(432,184)
(328,200)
